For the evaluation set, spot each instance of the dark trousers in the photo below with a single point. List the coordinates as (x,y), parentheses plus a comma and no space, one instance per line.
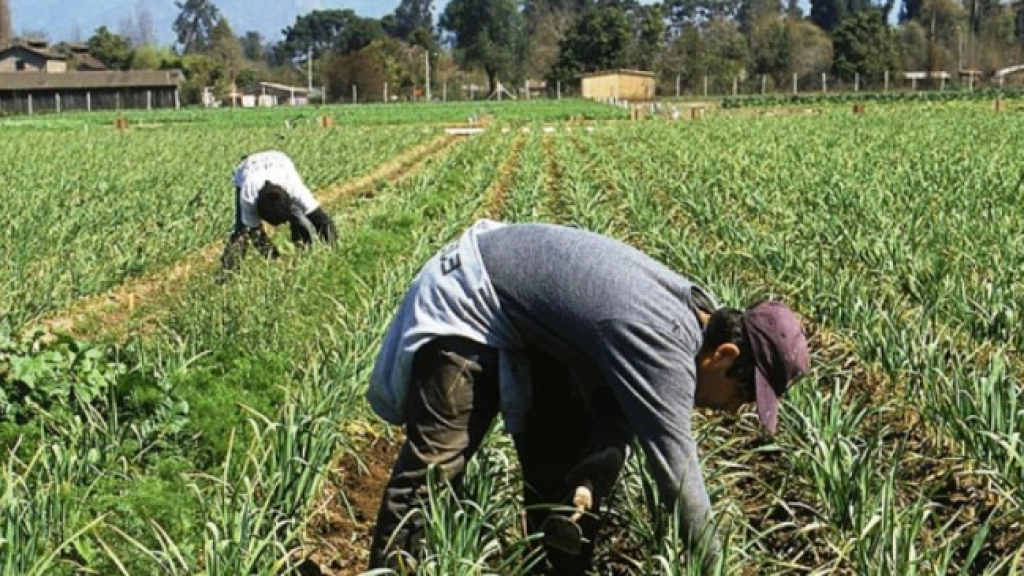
(453,399)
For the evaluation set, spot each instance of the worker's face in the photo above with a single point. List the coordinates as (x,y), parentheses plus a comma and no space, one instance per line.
(717,390)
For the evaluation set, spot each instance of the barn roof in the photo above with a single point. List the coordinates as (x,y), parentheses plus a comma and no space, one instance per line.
(41,52)
(621,72)
(44,81)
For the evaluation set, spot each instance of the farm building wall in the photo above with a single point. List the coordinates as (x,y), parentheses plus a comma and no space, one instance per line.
(619,85)
(36,102)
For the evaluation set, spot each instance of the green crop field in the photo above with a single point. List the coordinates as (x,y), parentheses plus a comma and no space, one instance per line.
(174,425)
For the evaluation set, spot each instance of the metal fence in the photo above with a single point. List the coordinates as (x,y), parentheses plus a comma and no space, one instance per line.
(713,87)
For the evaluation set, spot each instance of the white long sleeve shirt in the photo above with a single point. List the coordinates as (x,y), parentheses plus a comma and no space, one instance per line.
(255,170)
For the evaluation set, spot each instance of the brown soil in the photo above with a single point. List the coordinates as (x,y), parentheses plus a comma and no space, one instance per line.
(498,191)
(553,178)
(340,532)
(108,313)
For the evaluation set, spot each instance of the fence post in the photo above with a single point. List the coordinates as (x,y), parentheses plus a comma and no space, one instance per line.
(149,99)
(824,82)
(856,81)
(763,83)
(56,99)
(886,89)
(971,80)
(177,99)
(386,93)
(355,94)
(117,100)
(559,89)
(913,84)
(705,86)
(679,82)
(29,104)
(794,85)
(735,85)
(88,101)
(942,83)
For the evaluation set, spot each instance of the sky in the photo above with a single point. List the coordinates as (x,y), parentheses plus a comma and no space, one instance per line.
(78,19)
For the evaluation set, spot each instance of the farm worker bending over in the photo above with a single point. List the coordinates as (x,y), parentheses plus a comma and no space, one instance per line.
(269,189)
(582,343)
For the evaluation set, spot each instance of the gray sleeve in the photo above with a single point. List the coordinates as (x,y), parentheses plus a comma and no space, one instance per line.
(299,218)
(653,379)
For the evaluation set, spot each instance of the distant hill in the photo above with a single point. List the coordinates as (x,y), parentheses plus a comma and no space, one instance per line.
(76,20)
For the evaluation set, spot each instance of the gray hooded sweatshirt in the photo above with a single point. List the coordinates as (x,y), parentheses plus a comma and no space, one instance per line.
(614,315)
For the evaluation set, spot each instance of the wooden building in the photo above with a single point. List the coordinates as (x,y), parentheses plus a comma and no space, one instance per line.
(35,92)
(631,85)
(31,56)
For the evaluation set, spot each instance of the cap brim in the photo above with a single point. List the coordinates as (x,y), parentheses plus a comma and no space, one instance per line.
(767,402)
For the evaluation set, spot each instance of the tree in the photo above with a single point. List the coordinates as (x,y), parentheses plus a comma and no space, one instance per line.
(753,12)
(144,33)
(812,48)
(828,14)
(226,50)
(194,24)
(863,45)
(138,26)
(598,41)
(714,50)
(682,13)
(383,61)
(112,49)
(771,48)
(321,31)
(648,36)
(546,27)
(6,35)
(413,21)
(253,46)
(793,10)
(490,34)
(150,57)
(910,11)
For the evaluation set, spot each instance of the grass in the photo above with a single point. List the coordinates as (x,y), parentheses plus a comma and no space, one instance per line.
(211,436)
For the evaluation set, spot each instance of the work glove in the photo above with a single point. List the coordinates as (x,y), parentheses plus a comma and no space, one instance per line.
(599,471)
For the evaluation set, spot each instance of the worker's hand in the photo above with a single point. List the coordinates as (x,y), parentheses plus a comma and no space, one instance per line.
(599,470)
(263,243)
(233,253)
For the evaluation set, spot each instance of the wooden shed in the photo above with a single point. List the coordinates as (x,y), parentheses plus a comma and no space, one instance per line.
(632,85)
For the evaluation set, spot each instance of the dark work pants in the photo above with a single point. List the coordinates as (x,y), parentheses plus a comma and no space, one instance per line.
(453,399)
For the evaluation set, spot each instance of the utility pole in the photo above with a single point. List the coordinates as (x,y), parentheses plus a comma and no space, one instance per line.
(426,58)
(959,52)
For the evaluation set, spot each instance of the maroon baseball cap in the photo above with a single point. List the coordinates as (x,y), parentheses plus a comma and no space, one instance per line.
(779,347)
